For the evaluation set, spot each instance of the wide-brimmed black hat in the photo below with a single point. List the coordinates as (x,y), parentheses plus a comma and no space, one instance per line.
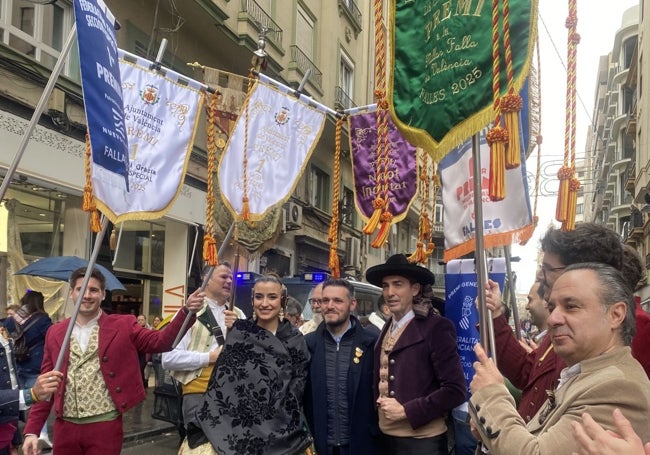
(397,264)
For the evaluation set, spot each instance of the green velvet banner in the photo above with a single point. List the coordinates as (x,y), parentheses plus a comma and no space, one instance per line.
(441,77)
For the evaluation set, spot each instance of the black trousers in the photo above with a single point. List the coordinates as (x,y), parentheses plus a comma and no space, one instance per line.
(414,446)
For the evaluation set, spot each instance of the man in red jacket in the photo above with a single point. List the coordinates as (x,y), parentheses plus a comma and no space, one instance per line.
(101,369)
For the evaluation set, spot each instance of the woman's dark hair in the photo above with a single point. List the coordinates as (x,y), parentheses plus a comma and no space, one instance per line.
(32,302)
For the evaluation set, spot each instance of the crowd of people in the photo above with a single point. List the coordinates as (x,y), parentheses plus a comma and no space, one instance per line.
(274,384)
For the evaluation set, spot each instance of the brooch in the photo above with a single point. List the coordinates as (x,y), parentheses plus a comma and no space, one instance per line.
(357,355)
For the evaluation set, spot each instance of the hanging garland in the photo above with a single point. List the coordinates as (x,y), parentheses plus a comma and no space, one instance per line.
(381,215)
(497,136)
(425,225)
(88,201)
(511,103)
(569,185)
(333,235)
(209,239)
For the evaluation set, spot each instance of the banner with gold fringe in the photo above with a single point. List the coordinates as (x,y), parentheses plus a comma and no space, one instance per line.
(505,222)
(160,113)
(274,136)
(441,80)
(400,169)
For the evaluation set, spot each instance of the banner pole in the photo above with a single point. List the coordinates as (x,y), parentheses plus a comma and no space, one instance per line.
(84,284)
(208,275)
(38,110)
(485,315)
(511,285)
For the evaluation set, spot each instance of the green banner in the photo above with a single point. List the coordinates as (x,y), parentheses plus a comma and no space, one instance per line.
(441,78)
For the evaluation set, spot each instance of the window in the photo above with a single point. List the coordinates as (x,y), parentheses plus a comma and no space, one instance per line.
(320,189)
(142,246)
(346,77)
(305,33)
(40,31)
(438,217)
(348,212)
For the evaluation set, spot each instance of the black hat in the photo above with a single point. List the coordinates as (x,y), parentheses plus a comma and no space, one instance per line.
(397,264)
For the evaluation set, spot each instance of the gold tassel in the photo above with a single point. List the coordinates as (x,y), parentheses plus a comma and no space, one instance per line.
(245,210)
(95,223)
(561,210)
(210,250)
(384,229)
(574,187)
(334,265)
(378,204)
(112,240)
(416,257)
(497,138)
(511,104)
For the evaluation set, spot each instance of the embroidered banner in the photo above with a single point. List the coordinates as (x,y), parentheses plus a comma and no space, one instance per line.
(504,222)
(402,166)
(102,89)
(231,96)
(460,292)
(160,118)
(441,82)
(279,133)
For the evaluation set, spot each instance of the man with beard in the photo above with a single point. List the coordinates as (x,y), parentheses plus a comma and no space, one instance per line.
(316,317)
(339,402)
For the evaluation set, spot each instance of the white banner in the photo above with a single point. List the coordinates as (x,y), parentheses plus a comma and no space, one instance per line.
(160,115)
(504,222)
(282,133)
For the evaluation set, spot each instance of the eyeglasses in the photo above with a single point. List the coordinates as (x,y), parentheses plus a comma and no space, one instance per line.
(315,301)
(548,268)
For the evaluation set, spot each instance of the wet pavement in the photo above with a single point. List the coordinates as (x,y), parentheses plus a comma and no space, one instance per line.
(142,433)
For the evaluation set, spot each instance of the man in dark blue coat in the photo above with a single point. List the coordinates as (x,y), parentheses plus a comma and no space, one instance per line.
(339,401)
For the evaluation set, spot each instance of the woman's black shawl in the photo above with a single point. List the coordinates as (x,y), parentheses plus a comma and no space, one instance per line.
(253,404)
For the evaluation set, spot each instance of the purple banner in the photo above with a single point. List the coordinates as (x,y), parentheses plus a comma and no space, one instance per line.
(402,172)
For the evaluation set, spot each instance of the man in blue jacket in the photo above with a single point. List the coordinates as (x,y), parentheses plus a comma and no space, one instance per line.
(339,402)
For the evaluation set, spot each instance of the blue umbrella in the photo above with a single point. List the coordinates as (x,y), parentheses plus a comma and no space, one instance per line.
(61,267)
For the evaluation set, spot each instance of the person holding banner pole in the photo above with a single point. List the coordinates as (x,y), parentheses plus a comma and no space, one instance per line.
(537,371)
(99,366)
(418,377)
(191,362)
(591,325)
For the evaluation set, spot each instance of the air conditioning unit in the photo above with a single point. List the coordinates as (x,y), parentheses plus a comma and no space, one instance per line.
(292,216)
(352,251)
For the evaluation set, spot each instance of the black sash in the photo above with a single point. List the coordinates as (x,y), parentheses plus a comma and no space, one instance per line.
(210,323)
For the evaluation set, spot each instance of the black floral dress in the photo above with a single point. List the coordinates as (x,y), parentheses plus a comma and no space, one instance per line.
(253,404)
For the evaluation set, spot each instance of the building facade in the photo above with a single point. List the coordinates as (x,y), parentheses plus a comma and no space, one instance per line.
(158,260)
(617,157)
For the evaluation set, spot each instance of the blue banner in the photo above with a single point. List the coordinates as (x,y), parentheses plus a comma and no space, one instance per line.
(460,292)
(102,87)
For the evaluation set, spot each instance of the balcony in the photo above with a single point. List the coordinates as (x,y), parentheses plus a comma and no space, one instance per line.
(252,20)
(342,100)
(298,67)
(350,9)
(630,177)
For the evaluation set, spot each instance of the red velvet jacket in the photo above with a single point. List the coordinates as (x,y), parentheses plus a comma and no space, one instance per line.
(641,340)
(120,339)
(534,373)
